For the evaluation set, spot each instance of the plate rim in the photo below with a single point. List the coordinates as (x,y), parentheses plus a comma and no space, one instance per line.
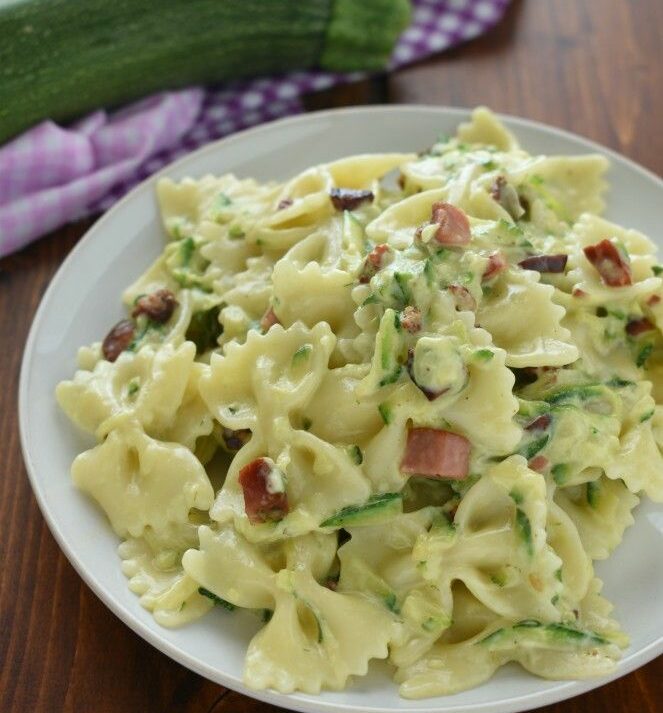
(528,701)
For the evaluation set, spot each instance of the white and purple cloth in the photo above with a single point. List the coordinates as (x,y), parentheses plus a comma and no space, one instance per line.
(51,175)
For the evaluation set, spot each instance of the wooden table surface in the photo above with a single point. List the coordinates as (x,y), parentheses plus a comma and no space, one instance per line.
(590,66)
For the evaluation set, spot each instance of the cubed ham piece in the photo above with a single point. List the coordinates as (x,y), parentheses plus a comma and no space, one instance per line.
(375,260)
(348,198)
(411,319)
(454,227)
(435,453)
(496,264)
(638,326)
(265,499)
(269,319)
(545,263)
(611,265)
(158,306)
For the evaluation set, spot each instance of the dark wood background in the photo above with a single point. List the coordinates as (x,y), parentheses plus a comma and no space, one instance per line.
(591,66)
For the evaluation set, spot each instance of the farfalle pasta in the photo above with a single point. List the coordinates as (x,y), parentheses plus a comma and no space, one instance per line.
(397,419)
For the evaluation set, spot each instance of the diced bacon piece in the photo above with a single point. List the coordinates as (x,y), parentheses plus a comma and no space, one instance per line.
(411,319)
(539,463)
(638,326)
(269,319)
(463,298)
(435,453)
(118,339)
(375,260)
(540,423)
(159,306)
(577,292)
(262,501)
(545,263)
(348,198)
(609,263)
(653,300)
(454,227)
(496,264)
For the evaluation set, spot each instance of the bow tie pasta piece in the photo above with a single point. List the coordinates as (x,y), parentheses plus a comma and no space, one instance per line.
(476,645)
(319,480)
(593,614)
(316,637)
(606,352)
(430,173)
(601,510)
(357,172)
(482,148)
(639,462)
(192,419)
(453,664)
(227,256)
(576,430)
(186,205)
(246,299)
(305,202)
(497,544)
(302,205)
(149,385)
(153,566)
(396,225)
(553,651)
(337,415)
(287,366)
(378,562)
(635,254)
(312,295)
(230,567)
(566,185)
(576,572)
(524,321)
(487,399)
(140,482)
(485,128)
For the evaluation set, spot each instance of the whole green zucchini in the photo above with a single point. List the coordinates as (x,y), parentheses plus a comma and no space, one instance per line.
(61,58)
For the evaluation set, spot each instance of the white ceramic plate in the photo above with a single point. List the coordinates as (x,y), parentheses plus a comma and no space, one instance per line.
(84,299)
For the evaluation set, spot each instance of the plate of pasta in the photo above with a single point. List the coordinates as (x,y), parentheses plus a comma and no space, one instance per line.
(363,411)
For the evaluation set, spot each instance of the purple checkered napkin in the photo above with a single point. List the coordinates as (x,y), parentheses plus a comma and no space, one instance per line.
(51,175)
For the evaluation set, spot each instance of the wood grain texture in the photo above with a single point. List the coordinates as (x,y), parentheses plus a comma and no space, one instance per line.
(590,66)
